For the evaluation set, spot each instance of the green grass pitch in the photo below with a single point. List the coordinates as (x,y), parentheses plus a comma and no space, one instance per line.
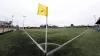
(19,44)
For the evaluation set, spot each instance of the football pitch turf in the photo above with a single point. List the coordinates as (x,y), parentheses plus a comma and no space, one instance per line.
(19,44)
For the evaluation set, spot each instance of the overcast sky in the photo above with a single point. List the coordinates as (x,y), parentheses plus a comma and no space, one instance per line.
(61,12)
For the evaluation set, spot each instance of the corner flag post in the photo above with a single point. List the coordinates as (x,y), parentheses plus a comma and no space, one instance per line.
(46,34)
(43,10)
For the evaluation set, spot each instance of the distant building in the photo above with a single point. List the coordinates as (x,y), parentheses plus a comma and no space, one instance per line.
(4,23)
(98,25)
(98,22)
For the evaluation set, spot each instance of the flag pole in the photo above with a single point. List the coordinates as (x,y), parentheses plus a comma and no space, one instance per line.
(46,35)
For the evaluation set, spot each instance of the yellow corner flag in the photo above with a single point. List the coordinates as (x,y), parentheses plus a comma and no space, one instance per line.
(42,10)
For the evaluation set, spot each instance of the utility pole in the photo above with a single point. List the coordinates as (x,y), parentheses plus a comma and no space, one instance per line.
(3,27)
(23,21)
(8,24)
(12,22)
(17,22)
(95,18)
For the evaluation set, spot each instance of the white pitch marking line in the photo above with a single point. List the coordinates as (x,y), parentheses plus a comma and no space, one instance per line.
(65,43)
(35,42)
